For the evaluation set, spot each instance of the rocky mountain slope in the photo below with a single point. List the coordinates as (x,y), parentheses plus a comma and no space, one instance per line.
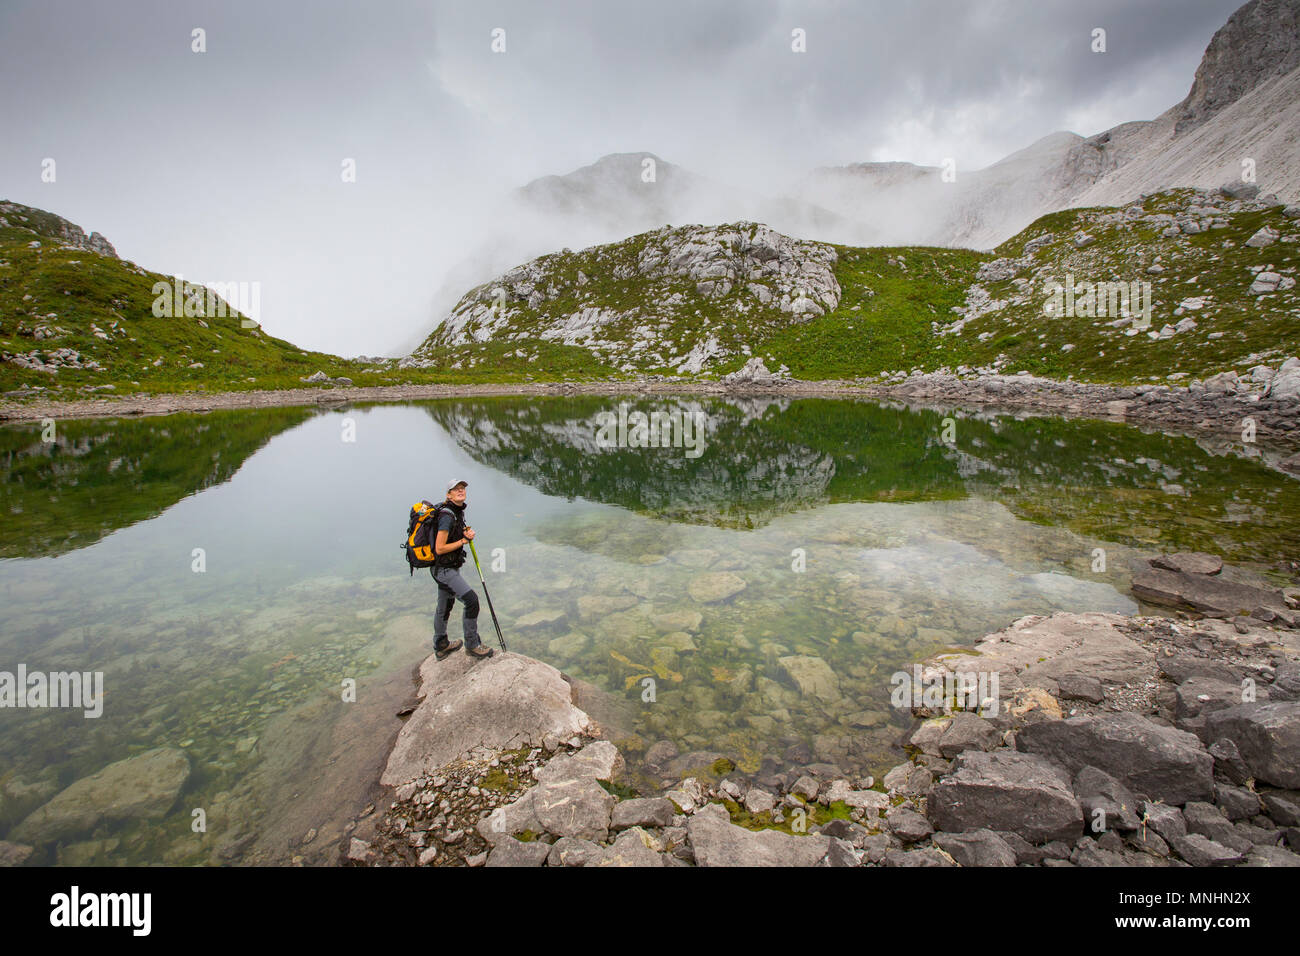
(1244,103)
(1217,270)
(642,303)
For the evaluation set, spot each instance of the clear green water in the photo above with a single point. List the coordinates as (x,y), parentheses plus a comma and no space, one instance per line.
(909,544)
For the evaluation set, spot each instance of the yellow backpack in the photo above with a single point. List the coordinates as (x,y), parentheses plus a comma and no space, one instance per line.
(421,532)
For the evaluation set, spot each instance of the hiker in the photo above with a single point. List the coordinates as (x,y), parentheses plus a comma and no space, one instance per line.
(449,546)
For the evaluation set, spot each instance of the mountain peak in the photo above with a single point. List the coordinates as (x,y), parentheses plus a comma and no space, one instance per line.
(1260,41)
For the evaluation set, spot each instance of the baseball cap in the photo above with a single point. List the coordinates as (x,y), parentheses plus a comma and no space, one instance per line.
(458,481)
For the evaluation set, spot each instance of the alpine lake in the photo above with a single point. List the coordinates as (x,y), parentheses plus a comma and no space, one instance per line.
(231,573)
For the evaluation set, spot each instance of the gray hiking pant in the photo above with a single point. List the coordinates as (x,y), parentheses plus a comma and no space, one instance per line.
(451,586)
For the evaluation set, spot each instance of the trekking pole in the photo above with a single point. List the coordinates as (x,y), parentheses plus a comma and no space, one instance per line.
(491,609)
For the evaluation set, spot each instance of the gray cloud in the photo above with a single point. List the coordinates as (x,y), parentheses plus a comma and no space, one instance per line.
(226,165)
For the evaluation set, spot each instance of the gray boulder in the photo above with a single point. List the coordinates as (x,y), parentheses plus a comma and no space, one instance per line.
(854,834)
(566,808)
(1148,758)
(1202,695)
(1286,682)
(576,808)
(908,825)
(842,853)
(1164,820)
(1201,592)
(1282,808)
(1105,801)
(1202,851)
(1239,190)
(504,702)
(1080,687)
(570,851)
(1003,790)
(1267,736)
(719,842)
(631,848)
(643,812)
(926,856)
(976,848)
(909,779)
(1237,803)
(1271,856)
(512,852)
(1189,562)
(599,760)
(752,371)
(1228,762)
(968,732)
(1205,819)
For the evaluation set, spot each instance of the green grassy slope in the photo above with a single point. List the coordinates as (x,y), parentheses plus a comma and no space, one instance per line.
(55,296)
(1215,265)
(899,309)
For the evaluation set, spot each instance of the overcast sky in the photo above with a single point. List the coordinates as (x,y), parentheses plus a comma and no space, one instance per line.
(225,165)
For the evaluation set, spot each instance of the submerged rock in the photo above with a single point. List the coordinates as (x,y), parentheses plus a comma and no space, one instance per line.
(813,676)
(137,788)
(14,854)
(714,587)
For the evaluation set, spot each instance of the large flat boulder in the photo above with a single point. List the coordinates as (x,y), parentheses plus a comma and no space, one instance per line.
(1042,652)
(1008,791)
(1267,737)
(719,842)
(502,703)
(143,787)
(1148,758)
(1202,592)
(1189,562)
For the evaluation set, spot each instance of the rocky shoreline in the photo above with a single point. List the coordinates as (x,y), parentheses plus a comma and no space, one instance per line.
(1105,740)
(1219,405)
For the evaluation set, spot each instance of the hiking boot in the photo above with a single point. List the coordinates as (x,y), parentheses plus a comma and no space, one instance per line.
(478,650)
(442,652)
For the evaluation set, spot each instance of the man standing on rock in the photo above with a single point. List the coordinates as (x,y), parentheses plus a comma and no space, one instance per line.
(449,546)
